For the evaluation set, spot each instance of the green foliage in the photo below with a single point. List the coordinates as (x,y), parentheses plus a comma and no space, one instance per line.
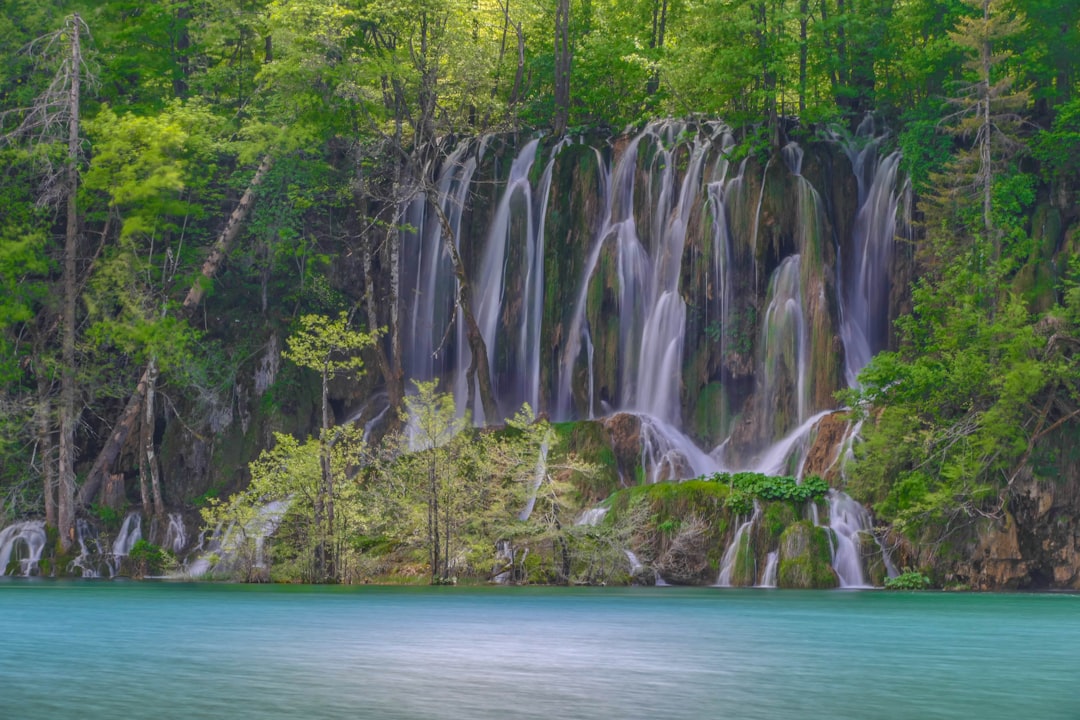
(954,415)
(110,518)
(327,345)
(147,559)
(908,580)
(753,485)
(1058,149)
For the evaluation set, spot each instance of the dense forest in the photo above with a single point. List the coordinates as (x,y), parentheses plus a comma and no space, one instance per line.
(186,183)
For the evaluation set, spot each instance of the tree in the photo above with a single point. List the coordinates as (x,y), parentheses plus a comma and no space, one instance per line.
(330,347)
(563,60)
(55,114)
(988,107)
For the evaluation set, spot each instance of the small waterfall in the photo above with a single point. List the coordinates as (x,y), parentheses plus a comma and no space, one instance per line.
(538,479)
(89,547)
(175,534)
(782,456)
(731,555)
(768,578)
(784,341)
(490,285)
(592,517)
(864,275)
(129,534)
(848,520)
(22,543)
(668,454)
(635,564)
(225,550)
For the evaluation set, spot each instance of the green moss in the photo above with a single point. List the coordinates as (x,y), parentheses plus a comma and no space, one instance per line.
(775,518)
(804,558)
(744,572)
(709,413)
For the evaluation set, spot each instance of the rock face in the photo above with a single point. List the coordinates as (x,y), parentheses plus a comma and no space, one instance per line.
(822,458)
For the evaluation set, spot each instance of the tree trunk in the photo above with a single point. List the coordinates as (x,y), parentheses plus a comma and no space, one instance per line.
(326,491)
(148,447)
(68,417)
(146,440)
(563,62)
(45,447)
(477,347)
(393,382)
(656,42)
(115,443)
(804,21)
(986,134)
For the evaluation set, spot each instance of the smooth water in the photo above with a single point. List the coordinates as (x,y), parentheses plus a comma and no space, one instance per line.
(122,650)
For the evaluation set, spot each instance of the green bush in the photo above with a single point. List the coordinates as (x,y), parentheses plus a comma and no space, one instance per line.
(146,558)
(908,580)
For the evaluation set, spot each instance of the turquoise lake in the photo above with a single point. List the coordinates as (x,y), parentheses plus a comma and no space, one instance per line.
(90,650)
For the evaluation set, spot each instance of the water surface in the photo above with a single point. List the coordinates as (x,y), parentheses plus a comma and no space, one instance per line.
(91,650)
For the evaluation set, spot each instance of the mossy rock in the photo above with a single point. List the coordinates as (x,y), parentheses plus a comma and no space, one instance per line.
(682,559)
(873,561)
(588,440)
(776,517)
(804,558)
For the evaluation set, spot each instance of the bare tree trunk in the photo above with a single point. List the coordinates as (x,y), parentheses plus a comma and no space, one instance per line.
(68,418)
(146,440)
(115,443)
(804,21)
(477,347)
(393,382)
(986,134)
(45,447)
(324,555)
(148,447)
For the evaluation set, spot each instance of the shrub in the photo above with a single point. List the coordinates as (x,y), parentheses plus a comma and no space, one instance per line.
(908,580)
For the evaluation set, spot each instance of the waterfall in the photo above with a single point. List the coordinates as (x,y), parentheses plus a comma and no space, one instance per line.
(659,372)
(618,192)
(635,564)
(175,534)
(538,479)
(592,517)
(427,273)
(768,577)
(228,550)
(864,269)
(784,340)
(22,543)
(850,523)
(668,454)
(731,555)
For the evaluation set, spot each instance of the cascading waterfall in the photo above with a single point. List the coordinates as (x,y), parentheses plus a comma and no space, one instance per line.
(677,235)
(667,166)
